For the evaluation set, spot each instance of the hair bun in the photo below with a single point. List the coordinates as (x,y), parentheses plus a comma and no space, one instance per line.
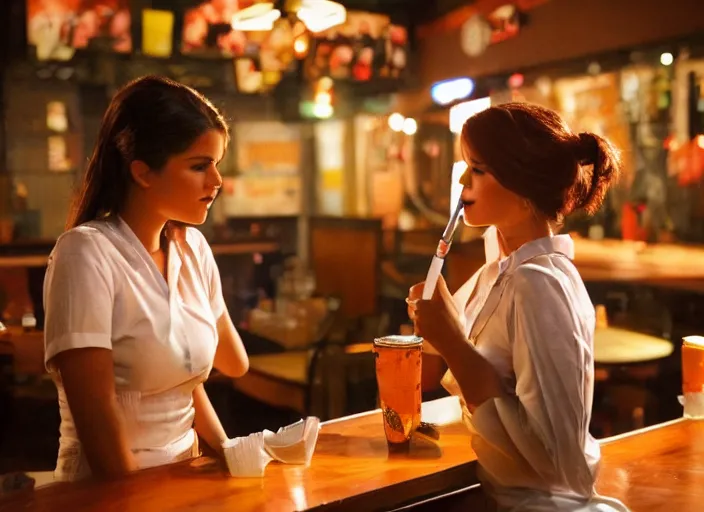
(600,166)
(587,148)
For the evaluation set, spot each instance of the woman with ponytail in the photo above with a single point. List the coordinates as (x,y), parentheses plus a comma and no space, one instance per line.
(135,317)
(518,337)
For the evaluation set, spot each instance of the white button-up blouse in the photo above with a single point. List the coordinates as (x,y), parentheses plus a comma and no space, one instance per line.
(102,289)
(530,316)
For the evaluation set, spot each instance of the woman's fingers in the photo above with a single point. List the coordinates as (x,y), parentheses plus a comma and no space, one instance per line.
(420,315)
(416,291)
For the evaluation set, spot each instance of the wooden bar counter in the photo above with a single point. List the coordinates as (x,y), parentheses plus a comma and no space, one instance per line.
(660,468)
(660,265)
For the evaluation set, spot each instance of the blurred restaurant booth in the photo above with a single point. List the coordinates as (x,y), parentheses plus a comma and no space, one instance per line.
(343,168)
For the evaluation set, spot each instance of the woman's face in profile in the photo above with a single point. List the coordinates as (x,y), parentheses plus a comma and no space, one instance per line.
(185,188)
(486,201)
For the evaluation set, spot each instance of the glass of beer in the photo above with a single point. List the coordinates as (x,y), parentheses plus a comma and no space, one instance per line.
(398,375)
(693,375)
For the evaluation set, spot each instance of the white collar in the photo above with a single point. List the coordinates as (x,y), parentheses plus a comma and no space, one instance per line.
(561,244)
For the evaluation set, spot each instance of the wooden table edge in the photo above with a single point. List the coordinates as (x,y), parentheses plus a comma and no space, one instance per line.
(409,492)
(644,430)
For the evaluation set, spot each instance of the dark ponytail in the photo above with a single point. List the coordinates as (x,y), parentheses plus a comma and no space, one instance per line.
(150,119)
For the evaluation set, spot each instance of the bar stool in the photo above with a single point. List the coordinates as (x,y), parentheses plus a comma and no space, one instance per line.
(626,363)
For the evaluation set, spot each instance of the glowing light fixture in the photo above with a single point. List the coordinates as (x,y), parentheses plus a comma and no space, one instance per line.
(666,59)
(258,17)
(322,110)
(515,81)
(410,127)
(448,91)
(463,111)
(300,46)
(320,15)
(396,122)
(316,15)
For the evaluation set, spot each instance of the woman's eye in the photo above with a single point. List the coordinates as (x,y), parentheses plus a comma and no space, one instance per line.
(200,167)
(476,171)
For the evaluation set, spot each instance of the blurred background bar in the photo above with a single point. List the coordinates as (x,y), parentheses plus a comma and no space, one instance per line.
(341,174)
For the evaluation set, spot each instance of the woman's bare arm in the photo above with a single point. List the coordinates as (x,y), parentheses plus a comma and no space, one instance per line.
(89,381)
(230,356)
(207,422)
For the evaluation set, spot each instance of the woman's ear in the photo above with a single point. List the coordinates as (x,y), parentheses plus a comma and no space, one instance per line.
(140,172)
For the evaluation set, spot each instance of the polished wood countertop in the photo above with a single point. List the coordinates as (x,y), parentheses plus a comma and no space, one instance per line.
(351,470)
(219,249)
(659,468)
(675,266)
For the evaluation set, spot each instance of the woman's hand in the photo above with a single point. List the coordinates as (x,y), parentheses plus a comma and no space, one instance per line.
(435,320)
(438,322)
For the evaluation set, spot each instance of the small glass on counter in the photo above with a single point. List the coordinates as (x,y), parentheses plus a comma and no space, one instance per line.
(398,362)
(693,376)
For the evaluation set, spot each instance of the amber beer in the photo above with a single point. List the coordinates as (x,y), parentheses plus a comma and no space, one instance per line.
(693,364)
(398,375)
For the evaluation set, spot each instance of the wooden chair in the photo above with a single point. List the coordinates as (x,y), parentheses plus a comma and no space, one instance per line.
(30,416)
(346,258)
(7,351)
(312,381)
(309,382)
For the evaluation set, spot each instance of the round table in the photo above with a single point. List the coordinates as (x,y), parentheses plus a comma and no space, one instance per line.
(613,345)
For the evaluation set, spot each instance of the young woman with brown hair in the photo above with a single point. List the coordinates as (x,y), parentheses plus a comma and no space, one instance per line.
(518,336)
(135,317)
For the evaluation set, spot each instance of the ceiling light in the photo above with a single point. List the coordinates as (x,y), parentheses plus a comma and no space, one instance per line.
(320,15)
(666,59)
(396,122)
(257,17)
(316,15)
(300,46)
(447,91)
(322,110)
(410,127)
(462,111)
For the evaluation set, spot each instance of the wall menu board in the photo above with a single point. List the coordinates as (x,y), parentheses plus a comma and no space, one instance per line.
(365,47)
(57,28)
(268,178)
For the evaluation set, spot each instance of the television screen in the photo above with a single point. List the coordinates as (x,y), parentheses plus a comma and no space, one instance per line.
(260,57)
(57,28)
(207,31)
(365,47)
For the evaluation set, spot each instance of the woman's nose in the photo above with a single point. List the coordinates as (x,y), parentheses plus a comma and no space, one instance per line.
(466,178)
(215,178)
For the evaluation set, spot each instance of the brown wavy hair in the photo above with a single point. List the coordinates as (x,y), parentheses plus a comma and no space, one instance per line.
(531,151)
